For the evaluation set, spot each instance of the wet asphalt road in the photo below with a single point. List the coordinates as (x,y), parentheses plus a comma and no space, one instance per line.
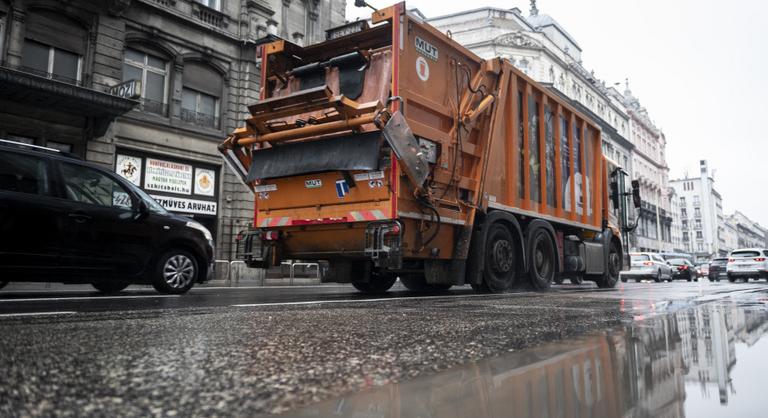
(250,351)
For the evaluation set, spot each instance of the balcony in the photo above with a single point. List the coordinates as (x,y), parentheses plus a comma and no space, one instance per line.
(209,16)
(200,119)
(151,106)
(22,85)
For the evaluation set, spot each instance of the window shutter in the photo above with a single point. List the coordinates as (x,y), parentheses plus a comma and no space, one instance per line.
(203,79)
(57,31)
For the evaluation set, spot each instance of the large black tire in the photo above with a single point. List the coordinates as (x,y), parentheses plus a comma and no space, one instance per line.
(109,287)
(500,263)
(3,284)
(612,273)
(418,283)
(377,283)
(176,272)
(542,259)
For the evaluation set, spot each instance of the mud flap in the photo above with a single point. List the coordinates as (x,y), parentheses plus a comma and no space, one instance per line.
(399,136)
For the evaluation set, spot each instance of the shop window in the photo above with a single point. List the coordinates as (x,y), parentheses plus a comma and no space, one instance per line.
(51,62)
(152,71)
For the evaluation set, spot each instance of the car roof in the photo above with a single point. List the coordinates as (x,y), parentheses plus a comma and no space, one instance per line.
(748,249)
(36,149)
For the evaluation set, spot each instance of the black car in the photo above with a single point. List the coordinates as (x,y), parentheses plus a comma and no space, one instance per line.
(717,269)
(683,269)
(66,220)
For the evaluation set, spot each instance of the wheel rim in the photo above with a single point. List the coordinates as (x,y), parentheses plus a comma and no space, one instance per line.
(179,271)
(542,259)
(503,256)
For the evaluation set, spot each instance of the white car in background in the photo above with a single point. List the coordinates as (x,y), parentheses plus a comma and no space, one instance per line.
(649,266)
(747,263)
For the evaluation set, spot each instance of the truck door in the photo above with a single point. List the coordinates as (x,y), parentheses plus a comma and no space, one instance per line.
(29,244)
(100,231)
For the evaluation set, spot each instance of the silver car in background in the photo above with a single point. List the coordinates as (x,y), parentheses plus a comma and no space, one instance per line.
(649,266)
(747,263)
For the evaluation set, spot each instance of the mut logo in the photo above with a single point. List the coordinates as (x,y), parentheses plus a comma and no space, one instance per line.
(427,49)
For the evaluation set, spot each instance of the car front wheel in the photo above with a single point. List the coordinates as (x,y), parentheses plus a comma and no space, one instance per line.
(109,287)
(176,272)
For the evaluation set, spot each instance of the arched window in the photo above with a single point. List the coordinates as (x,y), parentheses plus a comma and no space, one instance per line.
(151,69)
(54,46)
(201,95)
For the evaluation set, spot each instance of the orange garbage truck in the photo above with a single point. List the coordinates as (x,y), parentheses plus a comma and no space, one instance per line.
(389,150)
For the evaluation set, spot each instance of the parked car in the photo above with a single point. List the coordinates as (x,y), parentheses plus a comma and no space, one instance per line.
(647,266)
(683,269)
(747,263)
(702,270)
(717,269)
(66,220)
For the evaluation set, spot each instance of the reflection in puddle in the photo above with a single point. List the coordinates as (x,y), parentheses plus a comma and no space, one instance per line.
(670,365)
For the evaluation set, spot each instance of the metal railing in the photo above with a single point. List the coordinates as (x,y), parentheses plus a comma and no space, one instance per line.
(200,119)
(45,74)
(151,106)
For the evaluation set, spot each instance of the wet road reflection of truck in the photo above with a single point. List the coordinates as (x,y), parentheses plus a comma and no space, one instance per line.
(417,159)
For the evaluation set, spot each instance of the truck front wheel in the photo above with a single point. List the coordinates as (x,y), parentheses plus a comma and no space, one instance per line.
(612,272)
(543,259)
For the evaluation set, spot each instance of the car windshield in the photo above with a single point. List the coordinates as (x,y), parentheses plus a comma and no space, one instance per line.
(640,257)
(745,254)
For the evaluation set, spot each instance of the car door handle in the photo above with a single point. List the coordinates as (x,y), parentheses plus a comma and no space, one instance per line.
(79,217)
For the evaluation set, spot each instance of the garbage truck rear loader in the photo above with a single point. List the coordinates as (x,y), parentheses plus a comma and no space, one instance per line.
(392,151)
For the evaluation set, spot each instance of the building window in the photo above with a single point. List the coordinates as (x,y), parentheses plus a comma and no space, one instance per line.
(199,108)
(699,235)
(685,236)
(684,213)
(213,4)
(2,34)
(697,212)
(50,62)
(698,224)
(152,71)
(696,200)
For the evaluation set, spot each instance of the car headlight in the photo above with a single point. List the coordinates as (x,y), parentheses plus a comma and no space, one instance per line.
(204,230)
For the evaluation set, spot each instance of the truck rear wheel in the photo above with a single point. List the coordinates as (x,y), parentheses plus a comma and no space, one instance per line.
(377,283)
(543,261)
(418,283)
(500,264)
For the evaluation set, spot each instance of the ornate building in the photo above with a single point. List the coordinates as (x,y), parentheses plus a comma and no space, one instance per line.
(147,88)
(701,214)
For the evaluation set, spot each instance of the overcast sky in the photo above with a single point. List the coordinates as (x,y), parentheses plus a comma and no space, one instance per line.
(699,67)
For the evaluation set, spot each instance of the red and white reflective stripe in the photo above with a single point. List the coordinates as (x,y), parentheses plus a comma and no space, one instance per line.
(272,222)
(367,215)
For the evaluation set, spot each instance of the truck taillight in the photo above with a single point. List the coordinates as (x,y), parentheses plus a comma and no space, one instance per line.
(760,259)
(270,236)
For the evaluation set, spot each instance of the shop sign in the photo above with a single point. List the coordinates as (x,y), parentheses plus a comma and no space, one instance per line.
(205,182)
(130,89)
(129,168)
(176,204)
(167,176)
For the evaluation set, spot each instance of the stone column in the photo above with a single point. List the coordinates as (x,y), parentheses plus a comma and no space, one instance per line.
(16,39)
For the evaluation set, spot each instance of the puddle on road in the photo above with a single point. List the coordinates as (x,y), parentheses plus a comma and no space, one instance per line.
(706,361)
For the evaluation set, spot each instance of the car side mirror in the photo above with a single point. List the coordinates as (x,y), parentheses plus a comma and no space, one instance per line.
(143,210)
(615,194)
(636,199)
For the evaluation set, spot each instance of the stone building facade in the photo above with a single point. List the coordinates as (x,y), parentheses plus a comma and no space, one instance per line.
(649,167)
(148,88)
(701,213)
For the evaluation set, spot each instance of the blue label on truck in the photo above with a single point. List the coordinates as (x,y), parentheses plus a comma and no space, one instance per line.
(342,188)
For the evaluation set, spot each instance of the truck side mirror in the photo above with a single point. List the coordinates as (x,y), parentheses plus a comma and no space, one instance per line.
(615,194)
(636,199)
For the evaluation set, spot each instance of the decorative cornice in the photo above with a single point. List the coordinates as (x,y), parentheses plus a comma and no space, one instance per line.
(117,7)
(518,39)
